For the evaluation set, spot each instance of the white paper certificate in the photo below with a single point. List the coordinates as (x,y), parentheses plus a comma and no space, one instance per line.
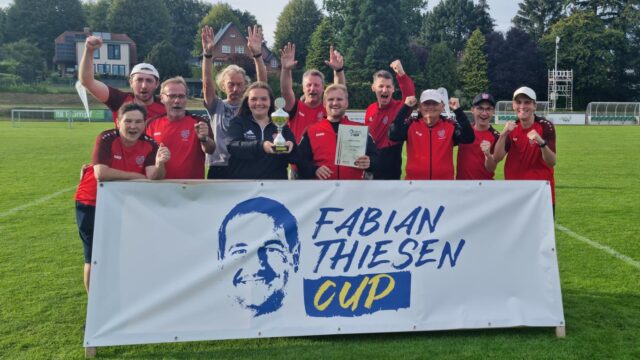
(352,143)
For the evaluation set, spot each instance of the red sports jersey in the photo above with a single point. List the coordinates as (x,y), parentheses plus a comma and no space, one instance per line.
(109,150)
(303,117)
(430,151)
(117,98)
(524,159)
(187,157)
(470,164)
(323,141)
(379,120)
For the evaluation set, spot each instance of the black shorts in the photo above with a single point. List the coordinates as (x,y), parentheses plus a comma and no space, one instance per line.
(218,172)
(85,218)
(389,165)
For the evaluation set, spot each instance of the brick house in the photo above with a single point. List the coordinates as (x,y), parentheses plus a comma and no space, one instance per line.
(229,43)
(116,56)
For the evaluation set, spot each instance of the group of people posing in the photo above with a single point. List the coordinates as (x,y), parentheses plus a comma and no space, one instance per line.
(156,138)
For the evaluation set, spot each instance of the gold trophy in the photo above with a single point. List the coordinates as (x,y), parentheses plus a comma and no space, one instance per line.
(280,119)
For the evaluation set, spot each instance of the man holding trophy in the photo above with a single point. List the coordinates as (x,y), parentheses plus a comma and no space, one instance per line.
(261,145)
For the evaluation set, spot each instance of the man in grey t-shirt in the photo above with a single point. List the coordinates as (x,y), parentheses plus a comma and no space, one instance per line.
(232,80)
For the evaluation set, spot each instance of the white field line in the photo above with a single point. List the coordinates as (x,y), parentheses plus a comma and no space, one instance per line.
(35,202)
(599,246)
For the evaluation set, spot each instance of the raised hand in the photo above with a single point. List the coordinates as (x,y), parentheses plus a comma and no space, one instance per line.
(207,39)
(93,42)
(336,61)
(288,56)
(396,65)
(202,130)
(454,103)
(410,101)
(163,155)
(255,39)
(485,146)
(508,127)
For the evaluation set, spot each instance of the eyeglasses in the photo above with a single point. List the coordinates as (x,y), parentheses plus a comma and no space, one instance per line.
(176,96)
(484,109)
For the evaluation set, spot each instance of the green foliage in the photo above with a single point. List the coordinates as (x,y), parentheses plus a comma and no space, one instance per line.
(165,57)
(318,50)
(41,21)
(3,22)
(453,21)
(185,16)
(473,66)
(590,49)
(96,13)
(22,59)
(296,23)
(220,15)
(535,16)
(441,69)
(146,22)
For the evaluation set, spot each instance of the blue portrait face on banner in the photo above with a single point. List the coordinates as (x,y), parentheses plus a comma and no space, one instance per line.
(260,238)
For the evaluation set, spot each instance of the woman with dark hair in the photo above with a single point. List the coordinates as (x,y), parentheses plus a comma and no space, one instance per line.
(124,153)
(252,134)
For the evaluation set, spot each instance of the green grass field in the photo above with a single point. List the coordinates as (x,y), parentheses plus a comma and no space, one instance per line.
(43,305)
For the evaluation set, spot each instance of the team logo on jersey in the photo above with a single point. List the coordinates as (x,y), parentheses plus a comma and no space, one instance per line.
(140,160)
(249,135)
(117,157)
(319,134)
(301,113)
(185,133)
(515,139)
(157,133)
(441,133)
(385,120)
(418,133)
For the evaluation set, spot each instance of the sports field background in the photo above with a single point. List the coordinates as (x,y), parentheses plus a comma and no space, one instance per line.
(43,305)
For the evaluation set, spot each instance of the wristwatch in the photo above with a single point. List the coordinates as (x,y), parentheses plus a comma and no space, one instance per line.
(544,143)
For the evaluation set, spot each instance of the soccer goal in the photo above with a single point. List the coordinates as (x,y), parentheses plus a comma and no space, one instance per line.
(504,111)
(613,113)
(68,116)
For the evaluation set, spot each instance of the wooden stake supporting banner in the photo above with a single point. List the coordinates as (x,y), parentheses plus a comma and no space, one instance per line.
(561,332)
(90,352)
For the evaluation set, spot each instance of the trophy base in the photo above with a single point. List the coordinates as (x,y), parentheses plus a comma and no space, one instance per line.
(280,149)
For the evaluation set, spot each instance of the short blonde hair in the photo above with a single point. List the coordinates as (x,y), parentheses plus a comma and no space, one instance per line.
(175,80)
(333,87)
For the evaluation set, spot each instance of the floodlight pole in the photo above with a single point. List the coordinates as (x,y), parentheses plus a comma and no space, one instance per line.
(555,77)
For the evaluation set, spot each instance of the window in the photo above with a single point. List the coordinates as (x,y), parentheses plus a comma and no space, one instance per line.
(117,70)
(232,35)
(226,49)
(239,49)
(101,69)
(274,63)
(113,51)
(96,54)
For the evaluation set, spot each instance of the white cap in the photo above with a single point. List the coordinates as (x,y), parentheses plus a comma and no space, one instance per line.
(144,68)
(431,94)
(528,92)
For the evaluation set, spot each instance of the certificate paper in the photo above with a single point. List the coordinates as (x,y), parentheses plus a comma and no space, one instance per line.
(352,143)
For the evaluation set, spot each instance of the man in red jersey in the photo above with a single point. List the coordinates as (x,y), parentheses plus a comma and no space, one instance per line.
(530,142)
(381,114)
(431,137)
(187,136)
(318,145)
(125,153)
(475,160)
(143,79)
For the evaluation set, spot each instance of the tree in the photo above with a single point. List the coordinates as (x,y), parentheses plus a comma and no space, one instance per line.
(318,50)
(24,59)
(41,21)
(165,57)
(3,21)
(514,62)
(125,17)
(536,16)
(220,15)
(473,66)
(590,49)
(441,69)
(185,16)
(453,21)
(97,13)
(296,23)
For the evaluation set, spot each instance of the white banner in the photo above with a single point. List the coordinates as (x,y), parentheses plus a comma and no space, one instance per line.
(220,260)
